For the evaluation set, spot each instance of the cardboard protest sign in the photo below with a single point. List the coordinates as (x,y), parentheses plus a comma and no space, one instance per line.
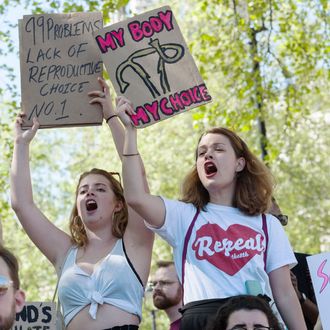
(36,315)
(59,66)
(319,267)
(149,62)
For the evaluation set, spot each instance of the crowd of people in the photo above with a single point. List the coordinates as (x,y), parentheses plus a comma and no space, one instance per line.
(221,232)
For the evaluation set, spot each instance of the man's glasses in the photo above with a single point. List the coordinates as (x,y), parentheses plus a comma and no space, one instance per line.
(5,284)
(255,327)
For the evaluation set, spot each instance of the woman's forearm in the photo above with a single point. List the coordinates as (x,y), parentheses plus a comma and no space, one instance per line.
(21,187)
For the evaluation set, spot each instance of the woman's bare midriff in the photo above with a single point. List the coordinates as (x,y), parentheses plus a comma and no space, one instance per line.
(107,316)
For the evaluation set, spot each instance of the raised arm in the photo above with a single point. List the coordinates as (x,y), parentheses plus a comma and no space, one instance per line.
(135,227)
(110,116)
(52,242)
(151,208)
(286,298)
(103,98)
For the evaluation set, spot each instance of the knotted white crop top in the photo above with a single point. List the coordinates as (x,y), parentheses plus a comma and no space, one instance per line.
(114,281)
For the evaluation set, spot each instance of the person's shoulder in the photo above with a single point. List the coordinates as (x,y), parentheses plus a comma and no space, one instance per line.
(178,204)
(272,220)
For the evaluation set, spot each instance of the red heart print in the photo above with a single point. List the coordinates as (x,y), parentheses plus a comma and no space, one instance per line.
(228,250)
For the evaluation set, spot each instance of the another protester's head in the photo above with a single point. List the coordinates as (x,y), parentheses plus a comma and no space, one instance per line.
(119,214)
(167,291)
(12,299)
(245,311)
(228,154)
(277,213)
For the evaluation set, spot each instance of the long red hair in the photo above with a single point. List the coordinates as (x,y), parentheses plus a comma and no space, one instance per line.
(254,184)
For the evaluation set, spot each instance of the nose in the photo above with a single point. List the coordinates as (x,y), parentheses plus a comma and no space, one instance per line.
(157,289)
(208,154)
(90,192)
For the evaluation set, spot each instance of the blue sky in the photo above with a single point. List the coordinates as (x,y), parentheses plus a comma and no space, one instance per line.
(11,18)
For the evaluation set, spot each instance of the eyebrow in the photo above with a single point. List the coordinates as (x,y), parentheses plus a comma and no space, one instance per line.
(164,279)
(96,184)
(254,325)
(212,145)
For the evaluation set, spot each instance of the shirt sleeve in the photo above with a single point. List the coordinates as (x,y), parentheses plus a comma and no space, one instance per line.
(279,250)
(177,219)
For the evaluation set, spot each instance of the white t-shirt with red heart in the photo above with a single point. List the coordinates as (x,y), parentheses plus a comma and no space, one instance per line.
(226,248)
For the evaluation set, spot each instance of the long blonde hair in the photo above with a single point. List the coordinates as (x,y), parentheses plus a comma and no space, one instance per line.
(120,218)
(254,184)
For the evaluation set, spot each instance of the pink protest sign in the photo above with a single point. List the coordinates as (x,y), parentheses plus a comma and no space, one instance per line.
(149,62)
(319,267)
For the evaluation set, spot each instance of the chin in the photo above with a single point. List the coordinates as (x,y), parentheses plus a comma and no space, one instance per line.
(91,222)
(208,184)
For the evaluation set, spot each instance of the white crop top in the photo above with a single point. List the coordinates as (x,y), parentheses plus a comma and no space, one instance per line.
(114,281)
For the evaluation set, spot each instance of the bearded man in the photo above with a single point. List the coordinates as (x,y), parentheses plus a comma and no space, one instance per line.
(167,292)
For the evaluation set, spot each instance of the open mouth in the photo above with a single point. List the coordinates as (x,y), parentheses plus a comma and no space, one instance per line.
(91,205)
(210,168)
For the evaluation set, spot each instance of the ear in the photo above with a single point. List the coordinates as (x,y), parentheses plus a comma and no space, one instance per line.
(118,207)
(240,164)
(19,300)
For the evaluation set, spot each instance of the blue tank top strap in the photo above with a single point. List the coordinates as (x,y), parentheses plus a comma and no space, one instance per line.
(131,265)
